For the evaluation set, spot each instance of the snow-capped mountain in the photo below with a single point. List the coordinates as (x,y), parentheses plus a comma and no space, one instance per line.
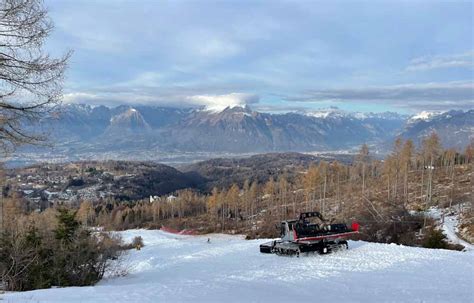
(324,113)
(336,113)
(240,129)
(83,128)
(424,116)
(130,120)
(455,128)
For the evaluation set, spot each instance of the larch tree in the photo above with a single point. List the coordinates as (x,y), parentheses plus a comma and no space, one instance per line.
(283,188)
(233,199)
(30,79)
(2,206)
(397,155)
(86,213)
(388,172)
(311,181)
(450,161)
(362,159)
(336,167)
(245,197)
(212,203)
(323,170)
(431,148)
(253,198)
(469,152)
(270,191)
(406,159)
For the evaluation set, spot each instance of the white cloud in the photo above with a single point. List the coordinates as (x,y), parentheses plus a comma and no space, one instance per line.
(220,102)
(167,99)
(437,62)
(79,97)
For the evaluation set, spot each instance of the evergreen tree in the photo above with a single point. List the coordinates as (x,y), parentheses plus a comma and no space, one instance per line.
(67,225)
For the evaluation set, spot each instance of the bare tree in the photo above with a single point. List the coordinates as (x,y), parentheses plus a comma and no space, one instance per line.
(283,189)
(337,168)
(2,204)
(469,152)
(323,169)
(431,148)
(30,79)
(406,161)
(363,158)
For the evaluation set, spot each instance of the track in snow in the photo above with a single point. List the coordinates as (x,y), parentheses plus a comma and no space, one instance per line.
(173,268)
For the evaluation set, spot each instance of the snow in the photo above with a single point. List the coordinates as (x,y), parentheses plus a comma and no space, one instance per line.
(449,225)
(324,113)
(218,103)
(450,229)
(174,268)
(319,114)
(424,115)
(362,116)
(334,112)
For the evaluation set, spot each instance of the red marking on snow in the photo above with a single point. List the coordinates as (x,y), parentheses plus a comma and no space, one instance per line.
(335,236)
(355,226)
(188,232)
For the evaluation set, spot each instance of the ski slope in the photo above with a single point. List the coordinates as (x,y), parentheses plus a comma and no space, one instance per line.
(173,268)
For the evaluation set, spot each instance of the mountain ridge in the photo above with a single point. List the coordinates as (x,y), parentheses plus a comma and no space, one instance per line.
(145,132)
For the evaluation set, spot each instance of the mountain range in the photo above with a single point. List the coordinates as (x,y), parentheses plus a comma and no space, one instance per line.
(146,132)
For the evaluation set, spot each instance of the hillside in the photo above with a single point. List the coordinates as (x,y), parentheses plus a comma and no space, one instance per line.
(97,180)
(223,172)
(174,268)
(134,180)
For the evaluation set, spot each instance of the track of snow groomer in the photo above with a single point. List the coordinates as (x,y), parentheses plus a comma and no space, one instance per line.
(175,268)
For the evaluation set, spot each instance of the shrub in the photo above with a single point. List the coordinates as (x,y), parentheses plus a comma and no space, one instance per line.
(434,238)
(68,255)
(401,230)
(138,241)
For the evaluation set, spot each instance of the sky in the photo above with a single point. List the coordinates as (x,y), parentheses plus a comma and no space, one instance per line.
(275,56)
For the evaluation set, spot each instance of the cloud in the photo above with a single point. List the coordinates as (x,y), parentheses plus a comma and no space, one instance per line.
(407,96)
(465,60)
(206,44)
(198,53)
(220,102)
(166,99)
(80,97)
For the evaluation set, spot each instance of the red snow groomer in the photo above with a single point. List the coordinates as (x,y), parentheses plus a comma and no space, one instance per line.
(300,236)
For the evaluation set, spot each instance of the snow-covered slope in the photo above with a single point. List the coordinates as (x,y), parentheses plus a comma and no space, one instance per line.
(450,229)
(173,268)
(448,221)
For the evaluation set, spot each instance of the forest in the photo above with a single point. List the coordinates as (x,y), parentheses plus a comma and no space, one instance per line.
(389,197)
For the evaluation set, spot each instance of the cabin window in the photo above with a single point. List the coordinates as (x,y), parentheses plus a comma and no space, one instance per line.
(283,229)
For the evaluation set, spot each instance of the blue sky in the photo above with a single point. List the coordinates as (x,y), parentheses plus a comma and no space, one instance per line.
(279,56)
